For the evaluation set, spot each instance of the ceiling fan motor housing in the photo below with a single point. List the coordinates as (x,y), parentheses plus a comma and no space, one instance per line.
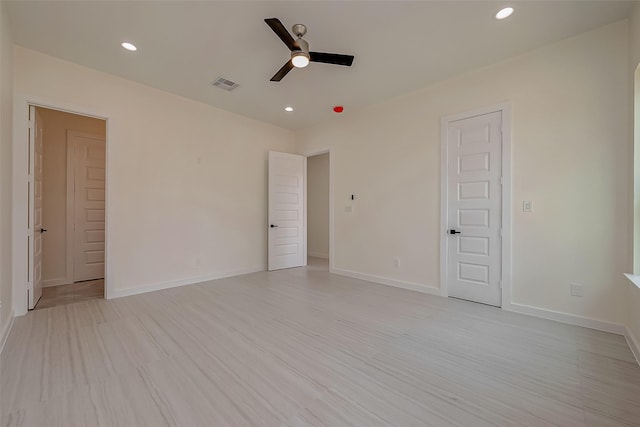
(303,45)
(299,30)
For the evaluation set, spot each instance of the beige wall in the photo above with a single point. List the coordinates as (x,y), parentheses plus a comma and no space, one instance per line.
(318,206)
(569,153)
(6,137)
(633,321)
(186,182)
(54,242)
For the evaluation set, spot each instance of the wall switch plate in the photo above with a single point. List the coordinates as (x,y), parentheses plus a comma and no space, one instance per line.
(576,290)
(527,206)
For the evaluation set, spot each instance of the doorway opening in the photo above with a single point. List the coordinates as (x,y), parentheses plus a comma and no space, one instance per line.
(67,207)
(318,211)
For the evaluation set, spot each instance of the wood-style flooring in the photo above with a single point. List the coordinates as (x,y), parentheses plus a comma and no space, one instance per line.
(68,294)
(302,347)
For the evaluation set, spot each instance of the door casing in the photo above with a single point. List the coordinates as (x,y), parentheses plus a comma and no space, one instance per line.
(505,109)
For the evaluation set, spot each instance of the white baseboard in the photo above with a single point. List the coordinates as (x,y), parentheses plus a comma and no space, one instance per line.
(118,293)
(633,342)
(55,282)
(387,281)
(571,319)
(558,316)
(6,331)
(318,255)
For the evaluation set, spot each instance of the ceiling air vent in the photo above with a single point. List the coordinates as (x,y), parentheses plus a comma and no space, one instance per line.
(225,84)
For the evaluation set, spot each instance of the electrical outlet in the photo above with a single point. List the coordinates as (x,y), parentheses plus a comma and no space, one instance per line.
(576,290)
(396,262)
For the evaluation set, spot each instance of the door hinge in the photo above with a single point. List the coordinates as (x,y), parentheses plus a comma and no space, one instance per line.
(501,232)
(501,180)
(500,284)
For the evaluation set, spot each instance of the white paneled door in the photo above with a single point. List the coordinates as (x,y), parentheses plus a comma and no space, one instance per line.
(87,156)
(36,228)
(474,155)
(286,210)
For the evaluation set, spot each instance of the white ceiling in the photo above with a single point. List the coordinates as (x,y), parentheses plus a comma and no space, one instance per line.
(398,46)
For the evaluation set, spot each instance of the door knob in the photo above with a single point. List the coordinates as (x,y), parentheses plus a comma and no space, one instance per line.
(454,232)
(43,230)
(274,226)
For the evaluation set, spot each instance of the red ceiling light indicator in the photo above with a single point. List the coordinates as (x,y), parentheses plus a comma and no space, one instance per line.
(338,109)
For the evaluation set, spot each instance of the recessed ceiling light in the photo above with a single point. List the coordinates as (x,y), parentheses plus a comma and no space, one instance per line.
(129,46)
(289,109)
(504,13)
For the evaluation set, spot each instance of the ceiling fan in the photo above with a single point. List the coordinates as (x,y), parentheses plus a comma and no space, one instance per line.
(300,55)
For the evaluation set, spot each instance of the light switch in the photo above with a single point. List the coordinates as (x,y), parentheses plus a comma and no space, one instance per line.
(527,206)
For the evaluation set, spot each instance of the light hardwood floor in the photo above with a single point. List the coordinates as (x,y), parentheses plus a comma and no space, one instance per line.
(303,347)
(68,294)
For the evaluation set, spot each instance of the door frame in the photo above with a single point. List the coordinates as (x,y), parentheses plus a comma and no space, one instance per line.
(331,203)
(20,207)
(505,109)
(71,199)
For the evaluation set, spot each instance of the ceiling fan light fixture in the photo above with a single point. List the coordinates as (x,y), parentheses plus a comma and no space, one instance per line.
(300,59)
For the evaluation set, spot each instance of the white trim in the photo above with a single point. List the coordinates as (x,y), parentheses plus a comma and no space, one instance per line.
(331,211)
(31,154)
(505,109)
(330,256)
(70,211)
(54,282)
(633,342)
(419,287)
(19,199)
(506,205)
(6,331)
(118,293)
(71,197)
(635,279)
(304,213)
(571,319)
(318,255)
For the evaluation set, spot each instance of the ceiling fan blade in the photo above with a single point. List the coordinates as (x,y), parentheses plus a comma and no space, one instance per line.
(282,32)
(331,58)
(288,66)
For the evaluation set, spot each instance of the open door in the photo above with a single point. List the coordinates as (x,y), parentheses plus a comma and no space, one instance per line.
(287,226)
(35,226)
